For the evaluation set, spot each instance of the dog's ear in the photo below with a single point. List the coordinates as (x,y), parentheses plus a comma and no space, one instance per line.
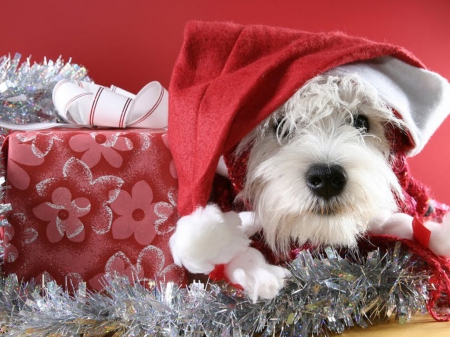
(419,96)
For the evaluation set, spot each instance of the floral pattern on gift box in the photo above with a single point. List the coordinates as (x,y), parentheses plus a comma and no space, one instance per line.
(97,144)
(164,210)
(72,280)
(31,150)
(63,214)
(28,235)
(172,169)
(67,200)
(11,253)
(41,142)
(145,141)
(78,175)
(44,278)
(138,215)
(149,266)
(17,176)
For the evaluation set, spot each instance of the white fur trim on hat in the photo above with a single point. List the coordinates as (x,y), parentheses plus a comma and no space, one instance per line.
(421,97)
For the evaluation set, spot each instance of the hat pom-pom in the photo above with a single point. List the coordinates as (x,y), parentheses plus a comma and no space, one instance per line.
(206,238)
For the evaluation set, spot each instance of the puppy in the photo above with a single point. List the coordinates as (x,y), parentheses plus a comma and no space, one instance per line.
(319,172)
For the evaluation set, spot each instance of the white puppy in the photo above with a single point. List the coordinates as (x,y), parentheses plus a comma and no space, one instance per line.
(319,172)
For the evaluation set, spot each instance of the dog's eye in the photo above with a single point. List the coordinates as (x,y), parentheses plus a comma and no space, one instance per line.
(361,122)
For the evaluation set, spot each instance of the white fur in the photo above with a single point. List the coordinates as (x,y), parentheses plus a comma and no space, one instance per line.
(397,224)
(400,225)
(318,119)
(260,279)
(207,237)
(222,238)
(249,225)
(440,236)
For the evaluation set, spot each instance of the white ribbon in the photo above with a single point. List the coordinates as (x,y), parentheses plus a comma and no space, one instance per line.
(85,103)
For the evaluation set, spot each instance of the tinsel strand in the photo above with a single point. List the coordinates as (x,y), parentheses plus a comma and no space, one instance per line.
(326,294)
(26,89)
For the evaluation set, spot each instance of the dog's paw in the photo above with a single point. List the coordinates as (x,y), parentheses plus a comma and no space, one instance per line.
(207,237)
(440,236)
(258,278)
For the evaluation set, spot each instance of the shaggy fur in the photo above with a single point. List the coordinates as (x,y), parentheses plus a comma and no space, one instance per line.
(316,126)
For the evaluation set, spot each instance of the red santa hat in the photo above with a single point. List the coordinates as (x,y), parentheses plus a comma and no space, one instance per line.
(228,78)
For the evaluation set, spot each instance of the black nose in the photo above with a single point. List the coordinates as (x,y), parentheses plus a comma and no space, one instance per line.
(326,181)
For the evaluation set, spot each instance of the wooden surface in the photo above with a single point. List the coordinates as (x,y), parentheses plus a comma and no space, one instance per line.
(418,326)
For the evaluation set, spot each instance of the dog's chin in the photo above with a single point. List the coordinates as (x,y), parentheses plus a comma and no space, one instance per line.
(327,209)
(319,227)
(332,227)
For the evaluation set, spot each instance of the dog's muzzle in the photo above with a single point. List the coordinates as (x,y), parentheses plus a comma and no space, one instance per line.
(326,181)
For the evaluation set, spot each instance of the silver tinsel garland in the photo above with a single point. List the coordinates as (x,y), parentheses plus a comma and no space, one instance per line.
(327,293)
(26,89)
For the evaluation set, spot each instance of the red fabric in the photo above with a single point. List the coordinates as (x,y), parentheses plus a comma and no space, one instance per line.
(417,198)
(421,233)
(89,202)
(228,78)
(218,273)
(416,195)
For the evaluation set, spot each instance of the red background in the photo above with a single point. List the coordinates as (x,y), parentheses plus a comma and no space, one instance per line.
(130,43)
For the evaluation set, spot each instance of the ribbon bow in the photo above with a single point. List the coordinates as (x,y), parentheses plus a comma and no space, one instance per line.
(85,103)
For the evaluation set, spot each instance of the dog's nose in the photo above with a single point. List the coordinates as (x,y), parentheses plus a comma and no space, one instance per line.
(326,181)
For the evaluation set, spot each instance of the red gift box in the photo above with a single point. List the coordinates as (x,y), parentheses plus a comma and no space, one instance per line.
(85,203)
